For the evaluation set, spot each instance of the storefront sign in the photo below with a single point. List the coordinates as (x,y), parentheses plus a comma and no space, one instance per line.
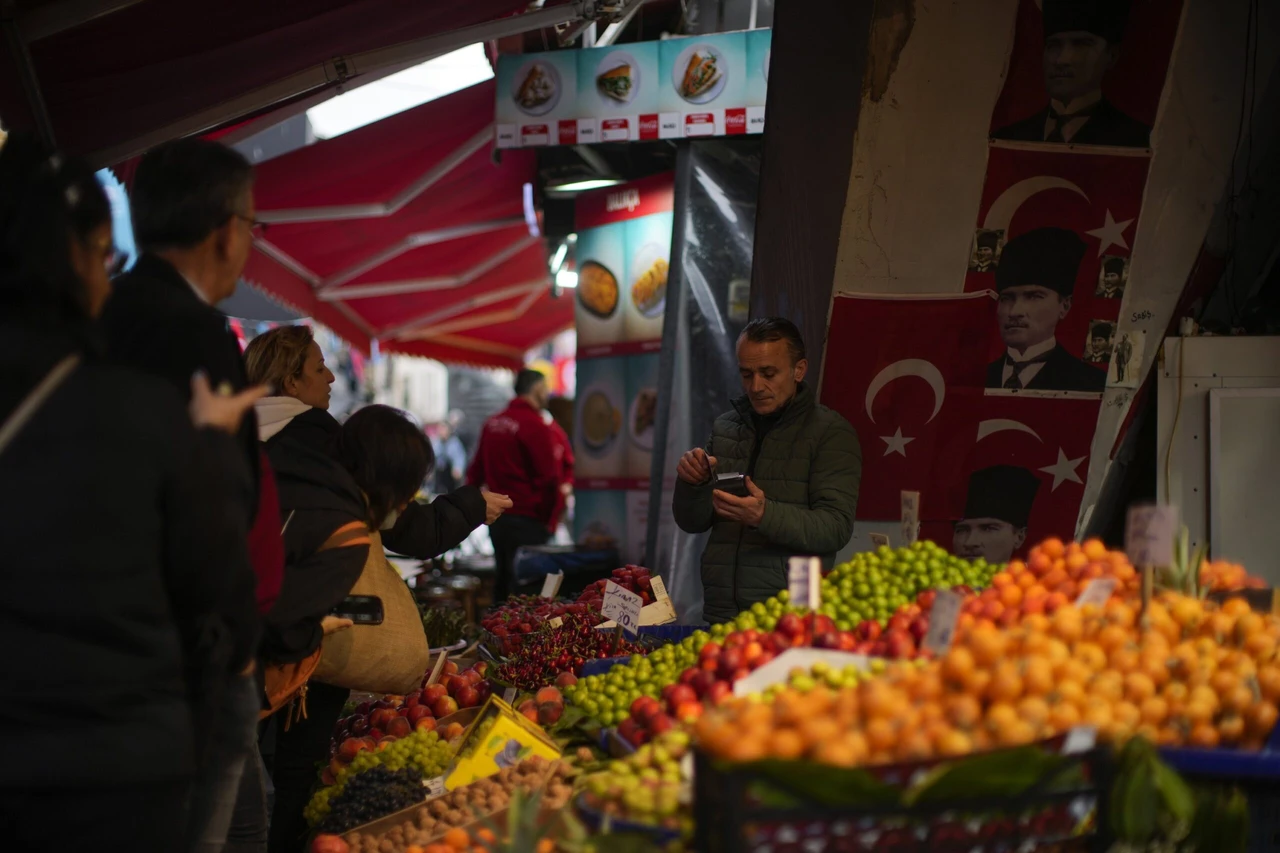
(710,85)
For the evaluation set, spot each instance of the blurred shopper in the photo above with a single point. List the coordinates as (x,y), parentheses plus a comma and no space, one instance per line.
(451,458)
(150,600)
(564,477)
(193,216)
(517,456)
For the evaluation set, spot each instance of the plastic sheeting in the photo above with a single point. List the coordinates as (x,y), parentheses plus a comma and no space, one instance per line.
(707,305)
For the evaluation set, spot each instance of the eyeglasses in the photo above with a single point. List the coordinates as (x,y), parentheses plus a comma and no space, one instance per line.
(256,227)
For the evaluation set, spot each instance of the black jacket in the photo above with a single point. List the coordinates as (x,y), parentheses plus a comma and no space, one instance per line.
(1061,372)
(322,496)
(1107,126)
(154,322)
(124,555)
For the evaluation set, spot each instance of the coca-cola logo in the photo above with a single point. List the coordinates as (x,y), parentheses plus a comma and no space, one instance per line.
(627,200)
(649,124)
(735,121)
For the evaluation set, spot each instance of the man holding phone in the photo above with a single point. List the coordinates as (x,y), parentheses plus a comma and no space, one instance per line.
(778,478)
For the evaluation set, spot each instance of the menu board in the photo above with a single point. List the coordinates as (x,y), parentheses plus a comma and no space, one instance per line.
(709,85)
(622,258)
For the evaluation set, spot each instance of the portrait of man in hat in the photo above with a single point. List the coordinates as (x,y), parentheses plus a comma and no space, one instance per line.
(1097,349)
(1081,44)
(986,245)
(1113,277)
(996,512)
(1034,283)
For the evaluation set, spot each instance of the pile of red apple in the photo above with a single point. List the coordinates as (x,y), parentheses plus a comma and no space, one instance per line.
(393,717)
(631,578)
(547,705)
(904,633)
(521,615)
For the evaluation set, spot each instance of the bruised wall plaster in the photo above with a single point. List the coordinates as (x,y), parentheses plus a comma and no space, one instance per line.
(890,30)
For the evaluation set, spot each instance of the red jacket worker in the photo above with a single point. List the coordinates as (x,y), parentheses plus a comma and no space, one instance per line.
(517,456)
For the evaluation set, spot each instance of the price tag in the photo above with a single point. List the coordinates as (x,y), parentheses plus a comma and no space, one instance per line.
(556,622)
(659,588)
(435,787)
(878,539)
(1079,739)
(662,611)
(910,517)
(551,585)
(942,621)
(622,606)
(509,695)
(803,575)
(1096,592)
(1148,535)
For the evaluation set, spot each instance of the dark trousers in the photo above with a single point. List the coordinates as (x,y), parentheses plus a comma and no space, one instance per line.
(509,533)
(217,784)
(249,821)
(112,818)
(294,770)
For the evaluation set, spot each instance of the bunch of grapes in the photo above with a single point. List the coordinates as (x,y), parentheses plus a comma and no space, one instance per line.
(422,752)
(371,795)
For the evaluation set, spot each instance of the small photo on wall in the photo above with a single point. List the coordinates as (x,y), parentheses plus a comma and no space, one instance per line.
(984,254)
(1126,360)
(1112,277)
(1097,347)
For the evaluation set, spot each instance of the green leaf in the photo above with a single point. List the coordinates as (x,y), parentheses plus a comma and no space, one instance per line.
(1176,793)
(824,784)
(1006,773)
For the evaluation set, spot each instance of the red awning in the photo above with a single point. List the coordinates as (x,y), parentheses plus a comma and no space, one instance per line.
(407,231)
(119,76)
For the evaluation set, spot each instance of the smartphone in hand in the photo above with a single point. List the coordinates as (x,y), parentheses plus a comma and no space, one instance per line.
(361,609)
(733,484)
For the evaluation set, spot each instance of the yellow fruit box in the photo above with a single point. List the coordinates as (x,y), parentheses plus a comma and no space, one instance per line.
(500,737)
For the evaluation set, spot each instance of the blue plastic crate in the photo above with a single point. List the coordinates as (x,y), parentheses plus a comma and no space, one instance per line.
(600,666)
(1228,764)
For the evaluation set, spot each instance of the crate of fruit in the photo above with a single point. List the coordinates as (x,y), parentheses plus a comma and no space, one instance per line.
(1004,800)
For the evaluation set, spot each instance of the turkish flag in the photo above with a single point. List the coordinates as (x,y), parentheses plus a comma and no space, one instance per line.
(1048,437)
(904,371)
(1097,196)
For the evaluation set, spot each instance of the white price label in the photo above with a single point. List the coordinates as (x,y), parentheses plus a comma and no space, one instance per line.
(1096,592)
(659,588)
(556,622)
(1148,535)
(622,606)
(878,539)
(910,517)
(942,621)
(803,576)
(1079,739)
(551,585)
(435,787)
(509,695)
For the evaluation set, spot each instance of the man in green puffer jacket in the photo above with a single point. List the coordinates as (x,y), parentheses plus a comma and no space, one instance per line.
(802,462)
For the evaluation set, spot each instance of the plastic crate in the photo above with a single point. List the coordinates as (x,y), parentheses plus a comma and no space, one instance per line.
(730,818)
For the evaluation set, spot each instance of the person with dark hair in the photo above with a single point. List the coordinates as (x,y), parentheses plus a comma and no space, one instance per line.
(1035,282)
(1081,44)
(517,456)
(364,481)
(1112,284)
(802,464)
(984,256)
(151,601)
(193,215)
(1098,350)
(995,514)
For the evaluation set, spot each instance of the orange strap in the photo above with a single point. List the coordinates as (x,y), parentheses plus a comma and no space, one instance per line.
(348,535)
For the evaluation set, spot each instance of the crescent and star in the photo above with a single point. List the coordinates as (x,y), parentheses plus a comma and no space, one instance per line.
(897,443)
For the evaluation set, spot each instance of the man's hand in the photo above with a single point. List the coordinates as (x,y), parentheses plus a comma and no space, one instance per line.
(748,510)
(695,467)
(494,505)
(221,411)
(333,624)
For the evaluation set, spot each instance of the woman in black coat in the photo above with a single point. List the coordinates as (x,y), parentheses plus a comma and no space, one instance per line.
(113,623)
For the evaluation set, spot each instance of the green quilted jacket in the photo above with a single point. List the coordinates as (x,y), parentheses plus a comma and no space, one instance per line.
(808,467)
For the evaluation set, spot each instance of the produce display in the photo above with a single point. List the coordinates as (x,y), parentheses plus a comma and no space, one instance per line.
(372,794)
(443,820)
(444,626)
(1200,676)
(425,752)
(645,787)
(541,657)
(522,615)
(631,578)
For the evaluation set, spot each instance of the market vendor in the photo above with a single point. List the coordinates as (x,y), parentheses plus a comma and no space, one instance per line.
(996,512)
(802,463)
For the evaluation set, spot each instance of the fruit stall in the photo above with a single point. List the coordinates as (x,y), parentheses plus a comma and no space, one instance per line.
(1066,701)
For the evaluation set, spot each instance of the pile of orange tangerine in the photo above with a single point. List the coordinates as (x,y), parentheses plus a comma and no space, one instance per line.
(1197,674)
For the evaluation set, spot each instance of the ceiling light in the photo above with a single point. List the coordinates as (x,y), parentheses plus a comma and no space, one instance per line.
(583,185)
(566,279)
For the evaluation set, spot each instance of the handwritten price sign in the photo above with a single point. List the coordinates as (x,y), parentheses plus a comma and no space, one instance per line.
(942,621)
(622,606)
(1148,536)
(803,576)
(551,585)
(910,517)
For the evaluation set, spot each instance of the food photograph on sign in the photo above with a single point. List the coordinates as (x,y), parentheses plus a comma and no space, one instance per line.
(534,92)
(600,519)
(648,242)
(616,87)
(602,265)
(702,77)
(642,413)
(600,444)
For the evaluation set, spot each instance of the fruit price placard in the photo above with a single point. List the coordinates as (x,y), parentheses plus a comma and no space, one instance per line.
(708,85)
(622,606)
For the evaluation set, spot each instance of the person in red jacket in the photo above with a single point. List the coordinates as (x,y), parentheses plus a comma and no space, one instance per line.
(517,457)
